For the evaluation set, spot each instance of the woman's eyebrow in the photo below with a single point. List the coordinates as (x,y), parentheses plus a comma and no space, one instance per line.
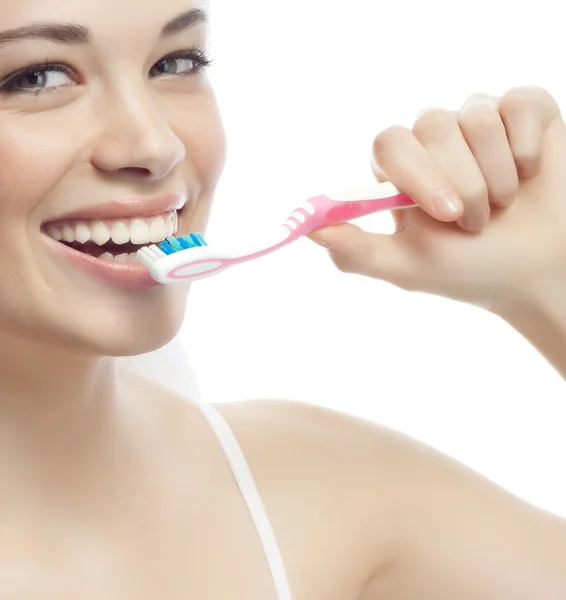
(71,34)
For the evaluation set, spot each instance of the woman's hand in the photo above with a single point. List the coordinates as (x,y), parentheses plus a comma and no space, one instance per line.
(502,164)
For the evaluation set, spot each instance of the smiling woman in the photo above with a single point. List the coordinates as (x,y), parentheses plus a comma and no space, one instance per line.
(118,160)
(115,486)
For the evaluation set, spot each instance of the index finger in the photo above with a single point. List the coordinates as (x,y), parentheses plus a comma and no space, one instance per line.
(407,164)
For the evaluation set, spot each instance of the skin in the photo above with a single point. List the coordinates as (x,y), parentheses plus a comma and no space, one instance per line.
(113,487)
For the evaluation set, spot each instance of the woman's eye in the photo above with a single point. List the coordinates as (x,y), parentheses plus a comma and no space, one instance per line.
(49,77)
(41,80)
(174,66)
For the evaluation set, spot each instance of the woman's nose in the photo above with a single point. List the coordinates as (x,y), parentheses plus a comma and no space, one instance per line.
(137,137)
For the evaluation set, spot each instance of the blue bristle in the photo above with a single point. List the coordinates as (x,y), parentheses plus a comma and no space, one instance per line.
(188,240)
(175,244)
(167,248)
(172,245)
(201,239)
(198,239)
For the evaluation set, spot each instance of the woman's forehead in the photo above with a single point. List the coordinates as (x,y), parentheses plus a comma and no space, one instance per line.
(94,13)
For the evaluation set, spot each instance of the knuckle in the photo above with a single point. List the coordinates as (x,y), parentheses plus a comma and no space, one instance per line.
(433,124)
(482,119)
(518,100)
(388,138)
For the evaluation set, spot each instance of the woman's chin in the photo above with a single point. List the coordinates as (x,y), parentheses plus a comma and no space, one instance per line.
(96,321)
(122,329)
(131,341)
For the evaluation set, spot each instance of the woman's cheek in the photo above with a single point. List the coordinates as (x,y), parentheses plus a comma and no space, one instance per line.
(34,156)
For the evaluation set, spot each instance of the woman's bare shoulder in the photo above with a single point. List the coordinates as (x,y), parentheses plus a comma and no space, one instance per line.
(316,471)
(399,503)
(297,436)
(307,435)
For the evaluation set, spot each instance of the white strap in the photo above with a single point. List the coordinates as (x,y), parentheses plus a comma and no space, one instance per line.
(251,496)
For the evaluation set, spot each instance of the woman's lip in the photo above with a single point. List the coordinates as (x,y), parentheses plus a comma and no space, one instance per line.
(128,208)
(125,275)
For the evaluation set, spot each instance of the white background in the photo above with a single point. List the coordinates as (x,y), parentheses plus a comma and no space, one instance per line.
(304,88)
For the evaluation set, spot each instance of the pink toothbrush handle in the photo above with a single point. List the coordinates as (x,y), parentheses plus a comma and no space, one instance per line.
(324,211)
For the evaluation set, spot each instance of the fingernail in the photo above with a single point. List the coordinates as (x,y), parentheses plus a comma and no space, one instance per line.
(447,202)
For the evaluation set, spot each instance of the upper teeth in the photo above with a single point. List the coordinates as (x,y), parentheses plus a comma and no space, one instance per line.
(120,231)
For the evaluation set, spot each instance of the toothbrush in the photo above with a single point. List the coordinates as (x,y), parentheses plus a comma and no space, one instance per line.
(189,257)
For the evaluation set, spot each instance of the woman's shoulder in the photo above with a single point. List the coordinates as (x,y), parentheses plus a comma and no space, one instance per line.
(292,429)
(305,435)
(296,436)
(318,472)
(312,468)
(383,504)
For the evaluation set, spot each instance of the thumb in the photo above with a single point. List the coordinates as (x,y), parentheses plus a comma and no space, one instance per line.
(354,250)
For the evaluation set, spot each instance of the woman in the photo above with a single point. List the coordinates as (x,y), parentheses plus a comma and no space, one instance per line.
(114,487)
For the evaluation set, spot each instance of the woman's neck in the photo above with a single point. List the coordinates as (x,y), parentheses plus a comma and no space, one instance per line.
(35,373)
(59,409)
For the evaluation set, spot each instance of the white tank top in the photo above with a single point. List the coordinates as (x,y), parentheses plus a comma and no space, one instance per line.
(250,493)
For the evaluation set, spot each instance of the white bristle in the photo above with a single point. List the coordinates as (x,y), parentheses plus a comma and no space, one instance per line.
(156,251)
(144,259)
(148,256)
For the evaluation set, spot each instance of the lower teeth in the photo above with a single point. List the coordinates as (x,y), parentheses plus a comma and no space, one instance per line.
(120,257)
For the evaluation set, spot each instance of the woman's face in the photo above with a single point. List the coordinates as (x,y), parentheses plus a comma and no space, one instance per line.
(107,126)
